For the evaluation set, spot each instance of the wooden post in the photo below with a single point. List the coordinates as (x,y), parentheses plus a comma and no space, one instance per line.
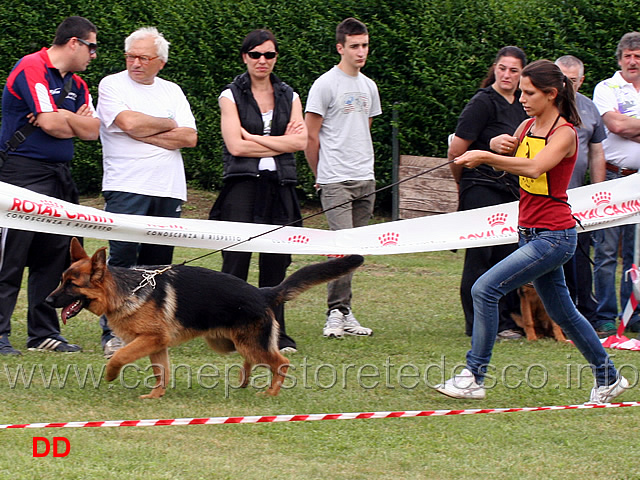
(429,194)
(395,164)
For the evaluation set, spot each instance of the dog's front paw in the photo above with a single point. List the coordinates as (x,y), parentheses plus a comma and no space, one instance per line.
(111,372)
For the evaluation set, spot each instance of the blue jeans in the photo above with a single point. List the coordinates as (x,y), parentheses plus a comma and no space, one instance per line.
(605,245)
(129,254)
(539,260)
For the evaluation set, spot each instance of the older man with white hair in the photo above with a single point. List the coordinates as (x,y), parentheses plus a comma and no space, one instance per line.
(145,121)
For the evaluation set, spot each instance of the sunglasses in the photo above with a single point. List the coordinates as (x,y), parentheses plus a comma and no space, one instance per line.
(267,55)
(93,47)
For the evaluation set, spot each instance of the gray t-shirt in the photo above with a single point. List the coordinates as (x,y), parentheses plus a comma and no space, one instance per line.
(591,131)
(346,104)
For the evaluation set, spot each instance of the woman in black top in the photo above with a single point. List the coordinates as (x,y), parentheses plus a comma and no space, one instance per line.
(262,125)
(487,122)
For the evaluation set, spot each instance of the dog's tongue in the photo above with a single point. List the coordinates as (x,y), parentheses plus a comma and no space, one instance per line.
(70,311)
(65,315)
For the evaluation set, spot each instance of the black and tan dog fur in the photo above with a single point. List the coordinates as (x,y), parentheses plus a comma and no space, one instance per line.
(534,319)
(182,303)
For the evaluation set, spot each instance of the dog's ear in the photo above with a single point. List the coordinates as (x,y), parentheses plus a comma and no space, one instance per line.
(77,252)
(99,264)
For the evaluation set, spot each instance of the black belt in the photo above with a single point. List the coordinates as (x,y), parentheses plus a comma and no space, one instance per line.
(531,231)
(622,171)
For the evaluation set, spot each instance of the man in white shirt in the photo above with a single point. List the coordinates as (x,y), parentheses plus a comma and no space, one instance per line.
(340,107)
(618,101)
(145,121)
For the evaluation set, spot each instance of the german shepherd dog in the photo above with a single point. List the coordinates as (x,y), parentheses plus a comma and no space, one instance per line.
(535,320)
(154,308)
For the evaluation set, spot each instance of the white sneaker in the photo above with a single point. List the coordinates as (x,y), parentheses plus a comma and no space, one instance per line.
(462,385)
(112,346)
(353,327)
(606,394)
(334,328)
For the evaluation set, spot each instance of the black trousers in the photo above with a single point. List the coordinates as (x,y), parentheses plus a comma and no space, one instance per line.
(242,200)
(578,273)
(479,260)
(46,255)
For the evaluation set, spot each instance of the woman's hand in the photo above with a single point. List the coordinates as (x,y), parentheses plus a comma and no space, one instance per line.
(245,134)
(504,144)
(295,127)
(471,159)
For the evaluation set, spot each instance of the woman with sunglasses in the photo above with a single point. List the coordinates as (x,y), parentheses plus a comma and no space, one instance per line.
(546,148)
(494,111)
(262,125)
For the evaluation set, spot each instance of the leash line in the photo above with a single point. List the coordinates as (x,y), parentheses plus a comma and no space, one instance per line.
(309,417)
(149,277)
(279,227)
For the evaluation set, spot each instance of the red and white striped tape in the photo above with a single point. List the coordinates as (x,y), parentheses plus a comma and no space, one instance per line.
(309,417)
(634,275)
(619,341)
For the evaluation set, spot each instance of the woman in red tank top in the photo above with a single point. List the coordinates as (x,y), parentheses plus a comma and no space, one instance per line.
(544,160)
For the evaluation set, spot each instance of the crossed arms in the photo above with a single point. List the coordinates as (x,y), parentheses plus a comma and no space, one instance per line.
(67,124)
(241,143)
(161,132)
(623,125)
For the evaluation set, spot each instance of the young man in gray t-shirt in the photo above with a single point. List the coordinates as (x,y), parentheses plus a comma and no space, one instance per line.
(340,108)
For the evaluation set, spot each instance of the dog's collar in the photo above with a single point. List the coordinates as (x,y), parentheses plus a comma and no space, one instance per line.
(149,277)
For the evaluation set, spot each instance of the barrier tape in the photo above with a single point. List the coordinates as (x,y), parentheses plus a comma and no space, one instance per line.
(634,275)
(619,341)
(309,417)
(601,205)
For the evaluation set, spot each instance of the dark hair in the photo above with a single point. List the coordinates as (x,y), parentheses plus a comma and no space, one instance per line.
(257,37)
(350,26)
(545,76)
(629,41)
(71,27)
(508,51)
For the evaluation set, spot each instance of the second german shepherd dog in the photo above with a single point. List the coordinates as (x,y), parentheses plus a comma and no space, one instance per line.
(154,308)
(535,320)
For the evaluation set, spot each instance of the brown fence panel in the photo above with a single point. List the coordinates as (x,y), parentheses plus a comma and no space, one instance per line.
(429,194)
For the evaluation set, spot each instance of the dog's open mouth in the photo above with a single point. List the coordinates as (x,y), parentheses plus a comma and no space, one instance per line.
(72,310)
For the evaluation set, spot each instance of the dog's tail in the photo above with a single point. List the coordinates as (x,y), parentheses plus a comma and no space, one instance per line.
(311,275)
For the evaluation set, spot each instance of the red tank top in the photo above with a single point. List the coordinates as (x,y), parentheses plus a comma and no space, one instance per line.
(543,200)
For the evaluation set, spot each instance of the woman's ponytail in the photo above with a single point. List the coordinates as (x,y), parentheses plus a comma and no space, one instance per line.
(546,75)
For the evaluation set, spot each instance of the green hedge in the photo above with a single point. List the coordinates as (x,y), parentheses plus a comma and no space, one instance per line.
(427,57)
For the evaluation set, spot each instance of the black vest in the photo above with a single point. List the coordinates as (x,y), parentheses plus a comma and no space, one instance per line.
(251,120)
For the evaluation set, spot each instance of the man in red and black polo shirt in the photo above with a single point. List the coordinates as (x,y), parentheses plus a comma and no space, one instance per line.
(44,106)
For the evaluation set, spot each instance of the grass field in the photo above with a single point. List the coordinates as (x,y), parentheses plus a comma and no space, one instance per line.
(411,302)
